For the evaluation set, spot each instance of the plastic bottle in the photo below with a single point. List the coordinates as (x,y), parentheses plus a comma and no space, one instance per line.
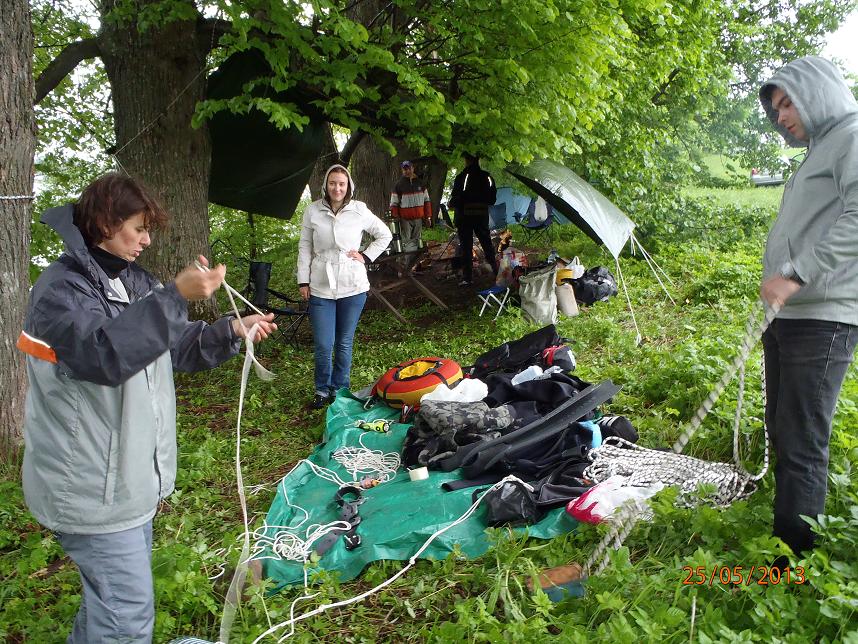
(531,373)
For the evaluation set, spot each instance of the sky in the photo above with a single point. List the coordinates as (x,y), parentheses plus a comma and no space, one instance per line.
(843,44)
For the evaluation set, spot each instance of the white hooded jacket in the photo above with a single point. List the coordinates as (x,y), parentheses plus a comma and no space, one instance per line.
(327,237)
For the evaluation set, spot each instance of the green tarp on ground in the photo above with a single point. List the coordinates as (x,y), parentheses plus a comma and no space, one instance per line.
(397,517)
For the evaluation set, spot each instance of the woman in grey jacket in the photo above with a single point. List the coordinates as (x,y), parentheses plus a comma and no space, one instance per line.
(102,338)
(332,276)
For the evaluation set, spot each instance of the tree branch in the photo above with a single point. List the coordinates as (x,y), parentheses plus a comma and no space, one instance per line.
(63,65)
(351,145)
(655,100)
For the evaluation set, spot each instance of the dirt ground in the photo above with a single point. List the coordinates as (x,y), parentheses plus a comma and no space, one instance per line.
(435,271)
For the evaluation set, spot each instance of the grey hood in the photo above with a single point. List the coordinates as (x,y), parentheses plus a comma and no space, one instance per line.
(815,235)
(818,91)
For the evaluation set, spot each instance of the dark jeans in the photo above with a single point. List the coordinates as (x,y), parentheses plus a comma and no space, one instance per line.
(806,361)
(334,323)
(474,221)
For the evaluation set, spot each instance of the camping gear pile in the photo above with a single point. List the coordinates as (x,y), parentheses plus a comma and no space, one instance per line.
(519,412)
(389,519)
(557,286)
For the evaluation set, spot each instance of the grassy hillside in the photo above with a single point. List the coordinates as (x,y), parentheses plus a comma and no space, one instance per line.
(713,260)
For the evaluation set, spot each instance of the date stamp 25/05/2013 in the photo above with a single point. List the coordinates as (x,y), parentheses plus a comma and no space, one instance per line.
(742,575)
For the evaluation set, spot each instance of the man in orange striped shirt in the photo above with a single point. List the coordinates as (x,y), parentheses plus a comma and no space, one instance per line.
(409,203)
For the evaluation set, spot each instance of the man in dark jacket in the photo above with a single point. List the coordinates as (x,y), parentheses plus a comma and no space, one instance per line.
(474,190)
(810,270)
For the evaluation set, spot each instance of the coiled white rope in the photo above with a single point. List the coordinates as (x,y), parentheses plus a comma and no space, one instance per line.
(411,561)
(287,542)
(735,481)
(372,463)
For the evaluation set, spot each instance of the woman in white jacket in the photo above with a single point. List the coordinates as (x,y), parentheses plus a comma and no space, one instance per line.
(332,275)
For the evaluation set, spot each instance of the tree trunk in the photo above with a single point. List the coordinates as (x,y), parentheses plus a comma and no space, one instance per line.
(436,179)
(157,77)
(375,172)
(17,145)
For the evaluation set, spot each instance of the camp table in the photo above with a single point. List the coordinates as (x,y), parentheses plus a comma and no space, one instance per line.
(394,271)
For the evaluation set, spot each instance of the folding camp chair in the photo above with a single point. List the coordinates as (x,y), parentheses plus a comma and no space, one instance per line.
(495,296)
(289,314)
(533,230)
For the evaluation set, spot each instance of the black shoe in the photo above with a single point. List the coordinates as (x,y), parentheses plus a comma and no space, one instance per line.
(320,401)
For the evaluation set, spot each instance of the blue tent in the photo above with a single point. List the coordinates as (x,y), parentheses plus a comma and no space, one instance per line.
(502,214)
(509,202)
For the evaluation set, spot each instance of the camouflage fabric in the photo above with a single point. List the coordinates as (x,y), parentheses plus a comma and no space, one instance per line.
(442,426)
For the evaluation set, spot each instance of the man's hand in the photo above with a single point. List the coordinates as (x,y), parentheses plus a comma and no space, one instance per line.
(266,326)
(356,255)
(777,290)
(305,292)
(195,284)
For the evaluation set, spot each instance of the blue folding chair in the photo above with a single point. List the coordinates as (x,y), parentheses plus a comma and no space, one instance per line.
(533,230)
(495,296)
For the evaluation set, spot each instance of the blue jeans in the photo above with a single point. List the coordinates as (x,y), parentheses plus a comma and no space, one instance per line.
(117,603)
(334,323)
(806,361)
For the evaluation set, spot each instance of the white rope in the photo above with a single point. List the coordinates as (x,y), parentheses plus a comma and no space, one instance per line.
(638,337)
(17,197)
(324,607)
(374,464)
(654,263)
(655,268)
(237,583)
(629,514)
(644,467)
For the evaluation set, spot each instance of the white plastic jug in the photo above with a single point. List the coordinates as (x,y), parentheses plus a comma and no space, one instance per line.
(566,300)
(531,373)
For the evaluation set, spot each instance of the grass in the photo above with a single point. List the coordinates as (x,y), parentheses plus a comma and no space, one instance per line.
(768,197)
(640,597)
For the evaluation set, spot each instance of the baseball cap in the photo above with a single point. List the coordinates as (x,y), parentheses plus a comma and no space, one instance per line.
(405,164)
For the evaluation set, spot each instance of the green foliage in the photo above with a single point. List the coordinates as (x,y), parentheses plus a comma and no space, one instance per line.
(641,596)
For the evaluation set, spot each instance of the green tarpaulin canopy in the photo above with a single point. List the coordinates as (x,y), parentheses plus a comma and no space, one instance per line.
(257,167)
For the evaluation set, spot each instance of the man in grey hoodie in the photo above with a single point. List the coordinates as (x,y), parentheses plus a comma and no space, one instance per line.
(810,270)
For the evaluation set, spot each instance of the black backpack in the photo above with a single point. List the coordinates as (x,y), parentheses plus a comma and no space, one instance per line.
(595,285)
(534,448)
(516,354)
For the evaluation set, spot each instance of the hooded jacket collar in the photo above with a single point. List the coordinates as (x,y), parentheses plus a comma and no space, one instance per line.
(349,193)
(819,93)
(61,219)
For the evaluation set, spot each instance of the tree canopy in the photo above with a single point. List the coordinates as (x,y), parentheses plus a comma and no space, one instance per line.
(628,93)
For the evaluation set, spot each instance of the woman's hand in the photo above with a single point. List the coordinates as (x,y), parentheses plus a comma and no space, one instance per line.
(266,326)
(305,292)
(195,284)
(356,255)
